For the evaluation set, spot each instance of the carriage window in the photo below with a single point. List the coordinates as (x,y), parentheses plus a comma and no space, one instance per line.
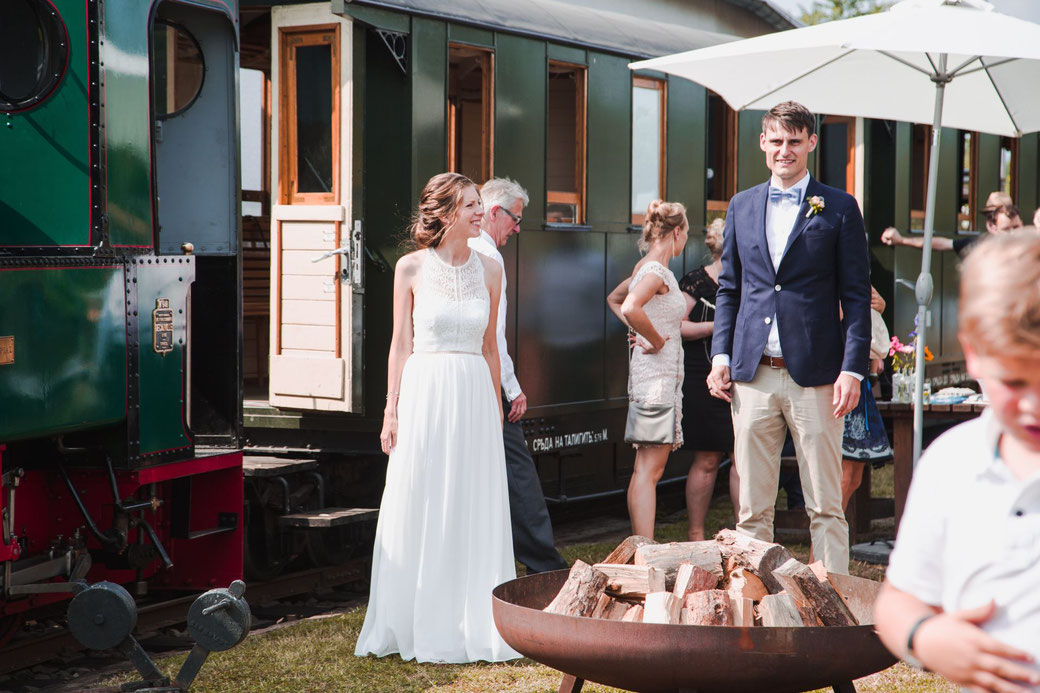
(469,112)
(837,153)
(722,156)
(968,156)
(177,69)
(921,145)
(648,144)
(34,48)
(252,91)
(310,117)
(565,155)
(1009,166)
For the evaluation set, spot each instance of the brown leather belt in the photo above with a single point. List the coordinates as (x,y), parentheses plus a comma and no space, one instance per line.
(773,361)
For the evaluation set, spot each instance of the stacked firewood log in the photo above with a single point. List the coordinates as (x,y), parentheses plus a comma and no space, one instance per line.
(733,580)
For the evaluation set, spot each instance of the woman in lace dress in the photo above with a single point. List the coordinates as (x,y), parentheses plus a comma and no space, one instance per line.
(651,304)
(443,537)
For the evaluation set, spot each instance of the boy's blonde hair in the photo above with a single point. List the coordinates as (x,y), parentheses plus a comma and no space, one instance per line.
(1000,296)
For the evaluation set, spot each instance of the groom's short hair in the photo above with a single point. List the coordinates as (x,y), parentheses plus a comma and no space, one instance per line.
(791,116)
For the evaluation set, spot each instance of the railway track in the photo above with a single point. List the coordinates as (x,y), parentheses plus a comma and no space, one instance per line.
(31,650)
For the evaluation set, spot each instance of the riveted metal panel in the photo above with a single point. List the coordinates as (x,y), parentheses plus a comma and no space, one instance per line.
(68,370)
(609,160)
(128,128)
(162,285)
(520,95)
(429,64)
(560,323)
(46,152)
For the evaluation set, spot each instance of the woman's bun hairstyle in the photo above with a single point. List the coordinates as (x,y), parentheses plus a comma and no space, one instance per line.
(439,202)
(713,236)
(661,219)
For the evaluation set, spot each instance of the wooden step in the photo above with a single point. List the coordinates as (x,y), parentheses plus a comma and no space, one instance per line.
(328,517)
(264,465)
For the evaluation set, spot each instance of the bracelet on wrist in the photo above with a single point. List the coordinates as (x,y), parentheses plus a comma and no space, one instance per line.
(392,394)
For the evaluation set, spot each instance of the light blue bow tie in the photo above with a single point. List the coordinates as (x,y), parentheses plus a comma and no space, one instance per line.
(794,195)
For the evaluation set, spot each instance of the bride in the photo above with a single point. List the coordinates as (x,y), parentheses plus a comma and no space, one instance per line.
(443,539)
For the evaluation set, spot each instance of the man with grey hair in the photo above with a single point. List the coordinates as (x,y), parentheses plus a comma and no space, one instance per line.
(504,201)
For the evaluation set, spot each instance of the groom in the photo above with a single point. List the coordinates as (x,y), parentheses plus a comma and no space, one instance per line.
(794,255)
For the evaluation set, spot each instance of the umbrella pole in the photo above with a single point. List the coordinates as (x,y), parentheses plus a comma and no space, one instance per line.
(923,289)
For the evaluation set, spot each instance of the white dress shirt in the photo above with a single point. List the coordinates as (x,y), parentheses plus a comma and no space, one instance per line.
(780,219)
(485,245)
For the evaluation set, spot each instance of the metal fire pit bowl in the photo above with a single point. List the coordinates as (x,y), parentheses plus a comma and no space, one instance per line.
(681,659)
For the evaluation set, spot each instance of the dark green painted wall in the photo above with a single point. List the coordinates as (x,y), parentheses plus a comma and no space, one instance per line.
(162,376)
(429,63)
(1028,169)
(609,162)
(687,167)
(69,330)
(45,149)
(520,99)
(751,162)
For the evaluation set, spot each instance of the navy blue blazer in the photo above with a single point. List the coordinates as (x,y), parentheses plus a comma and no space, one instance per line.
(826,263)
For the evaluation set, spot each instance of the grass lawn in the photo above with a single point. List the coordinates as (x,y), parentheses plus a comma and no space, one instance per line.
(318,654)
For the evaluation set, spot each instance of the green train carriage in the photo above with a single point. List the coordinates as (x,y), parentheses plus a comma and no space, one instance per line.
(393,91)
(120,403)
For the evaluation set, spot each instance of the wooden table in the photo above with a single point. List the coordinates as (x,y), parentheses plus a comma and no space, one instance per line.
(901,414)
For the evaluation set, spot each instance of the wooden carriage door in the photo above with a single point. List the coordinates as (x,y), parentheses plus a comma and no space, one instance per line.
(315,248)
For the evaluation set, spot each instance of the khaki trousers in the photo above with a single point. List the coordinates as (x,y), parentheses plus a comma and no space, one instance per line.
(763,410)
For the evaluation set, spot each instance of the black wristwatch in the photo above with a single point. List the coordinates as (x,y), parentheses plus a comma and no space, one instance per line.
(909,657)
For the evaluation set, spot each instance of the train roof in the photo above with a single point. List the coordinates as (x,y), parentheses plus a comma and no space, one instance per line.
(602,30)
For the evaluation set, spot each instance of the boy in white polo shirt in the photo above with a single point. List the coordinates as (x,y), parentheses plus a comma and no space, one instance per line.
(962,596)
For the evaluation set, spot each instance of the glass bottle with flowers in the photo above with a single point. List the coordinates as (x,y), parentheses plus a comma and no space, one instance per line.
(904,365)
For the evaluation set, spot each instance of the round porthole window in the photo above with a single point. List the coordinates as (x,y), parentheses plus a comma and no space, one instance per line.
(177,69)
(34,50)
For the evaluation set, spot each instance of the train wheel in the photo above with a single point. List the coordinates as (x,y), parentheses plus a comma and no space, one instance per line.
(264,555)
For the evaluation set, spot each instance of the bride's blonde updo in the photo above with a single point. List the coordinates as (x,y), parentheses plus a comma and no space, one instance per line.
(661,219)
(439,202)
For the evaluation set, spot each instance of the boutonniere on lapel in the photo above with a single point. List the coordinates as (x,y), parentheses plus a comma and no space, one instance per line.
(816,205)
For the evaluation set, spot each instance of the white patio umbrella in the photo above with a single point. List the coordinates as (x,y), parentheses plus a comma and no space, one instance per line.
(951,63)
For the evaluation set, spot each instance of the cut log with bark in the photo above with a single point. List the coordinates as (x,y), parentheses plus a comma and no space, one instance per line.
(707,608)
(693,578)
(661,607)
(743,583)
(609,608)
(627,549)
(580,594)
(743,610)
(859,594)
(634,614)
(779,610)
(760,558)
(668,557)
(809,593)
(631,582)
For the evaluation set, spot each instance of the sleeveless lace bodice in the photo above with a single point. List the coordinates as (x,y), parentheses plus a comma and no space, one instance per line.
(451,307)
(657,378)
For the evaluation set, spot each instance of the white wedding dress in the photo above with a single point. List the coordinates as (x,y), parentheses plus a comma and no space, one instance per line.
(443,539)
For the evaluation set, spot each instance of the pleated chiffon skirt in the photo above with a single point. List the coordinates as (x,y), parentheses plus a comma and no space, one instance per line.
(443,538)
